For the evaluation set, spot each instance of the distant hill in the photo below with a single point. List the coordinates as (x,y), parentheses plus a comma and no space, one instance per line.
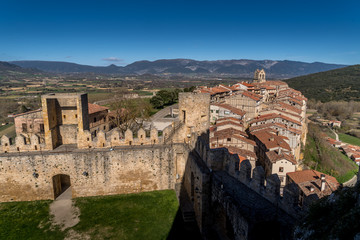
(339,84)
(240,68)
(8,68)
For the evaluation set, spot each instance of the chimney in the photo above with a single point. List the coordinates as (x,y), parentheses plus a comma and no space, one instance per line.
(312,188)
(279,151)
(322,182)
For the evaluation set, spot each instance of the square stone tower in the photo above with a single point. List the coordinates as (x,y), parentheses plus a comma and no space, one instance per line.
(65,115)
(194,112)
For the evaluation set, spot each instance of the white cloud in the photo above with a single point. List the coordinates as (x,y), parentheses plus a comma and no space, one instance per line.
(113,59)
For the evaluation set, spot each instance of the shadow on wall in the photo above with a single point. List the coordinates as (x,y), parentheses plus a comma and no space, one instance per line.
(221,205)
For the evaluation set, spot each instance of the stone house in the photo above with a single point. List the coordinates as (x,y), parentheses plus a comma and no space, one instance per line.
(246,101)
(356,158)
(220,110)
(292,135)
(28,124)
(62,119)
(312,185)
(277,162)
(229,122)
(98,118)
(280,159)
(231,137)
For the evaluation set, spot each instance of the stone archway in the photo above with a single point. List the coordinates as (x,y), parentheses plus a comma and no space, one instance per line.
(61,183)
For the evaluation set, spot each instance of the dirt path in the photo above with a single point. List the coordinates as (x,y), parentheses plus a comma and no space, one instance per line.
(65,214)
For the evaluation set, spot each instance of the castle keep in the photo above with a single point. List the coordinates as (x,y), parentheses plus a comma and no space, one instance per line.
(224,171)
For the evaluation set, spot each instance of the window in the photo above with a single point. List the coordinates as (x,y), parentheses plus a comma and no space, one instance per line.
(217,111)
(31,126)
(42,128)
(229,139)
(226,112)
(211,111)
(95,119)
(281,169)
(24,127)
(64,116)
(75,115)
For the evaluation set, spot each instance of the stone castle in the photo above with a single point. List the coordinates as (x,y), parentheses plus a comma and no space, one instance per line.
(226,189)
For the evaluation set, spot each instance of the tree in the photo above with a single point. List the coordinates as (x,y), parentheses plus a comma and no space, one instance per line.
(129,114)
(157,101)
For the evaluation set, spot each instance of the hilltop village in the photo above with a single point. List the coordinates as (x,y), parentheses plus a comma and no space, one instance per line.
(230,149)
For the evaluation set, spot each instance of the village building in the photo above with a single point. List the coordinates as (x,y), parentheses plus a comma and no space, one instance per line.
(356,158)
(61,120)
(334,123)
(231,137)
(280,163)
(246,101)
(312,185)
(221,110)
(229,122)
(28,124)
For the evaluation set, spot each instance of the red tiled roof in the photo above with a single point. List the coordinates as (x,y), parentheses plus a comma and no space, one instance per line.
(231,133)
(93,108)
(308,179)
(274,156)
(289,107)
(274,125)
(230,108)
(223,123)
(309,175)
(25,113)
(271,140)
(229,119)
(241,152)
(274,115)
(251,95)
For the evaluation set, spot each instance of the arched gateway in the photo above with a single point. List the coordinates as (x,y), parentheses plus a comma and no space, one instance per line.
(61,182)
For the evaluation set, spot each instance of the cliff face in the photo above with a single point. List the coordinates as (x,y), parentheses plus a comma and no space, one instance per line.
(333,217)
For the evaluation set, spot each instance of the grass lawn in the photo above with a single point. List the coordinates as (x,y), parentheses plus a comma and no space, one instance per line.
(147,215)
(349,139)
(134,216)
(27,220)
(322,157)
(8,130)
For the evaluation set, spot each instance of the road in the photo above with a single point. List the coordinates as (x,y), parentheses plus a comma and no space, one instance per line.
(336,135)
(160,115)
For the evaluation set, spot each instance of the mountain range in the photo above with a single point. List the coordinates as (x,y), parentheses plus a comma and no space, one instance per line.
(239,68)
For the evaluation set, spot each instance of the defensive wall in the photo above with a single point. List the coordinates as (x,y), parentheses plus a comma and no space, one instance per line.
(25,177)
(229,198)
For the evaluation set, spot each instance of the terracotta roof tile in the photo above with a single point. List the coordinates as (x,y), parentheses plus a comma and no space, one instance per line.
(308,179)
(93,108)
(230,108)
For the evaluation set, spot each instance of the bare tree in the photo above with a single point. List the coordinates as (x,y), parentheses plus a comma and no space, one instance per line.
(129,114)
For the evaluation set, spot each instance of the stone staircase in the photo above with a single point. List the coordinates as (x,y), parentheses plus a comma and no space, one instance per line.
(188,216)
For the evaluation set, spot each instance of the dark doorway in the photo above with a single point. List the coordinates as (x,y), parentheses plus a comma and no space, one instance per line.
(61,182)
(222,226)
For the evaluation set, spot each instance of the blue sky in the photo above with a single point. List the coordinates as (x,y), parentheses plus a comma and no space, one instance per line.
(103,32)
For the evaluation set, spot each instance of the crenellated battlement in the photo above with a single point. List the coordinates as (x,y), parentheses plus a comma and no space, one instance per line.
(103,139)
(254,178)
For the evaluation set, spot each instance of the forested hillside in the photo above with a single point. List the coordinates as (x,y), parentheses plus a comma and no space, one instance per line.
(334,85)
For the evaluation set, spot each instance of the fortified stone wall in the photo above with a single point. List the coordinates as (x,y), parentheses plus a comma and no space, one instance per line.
(29,176)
